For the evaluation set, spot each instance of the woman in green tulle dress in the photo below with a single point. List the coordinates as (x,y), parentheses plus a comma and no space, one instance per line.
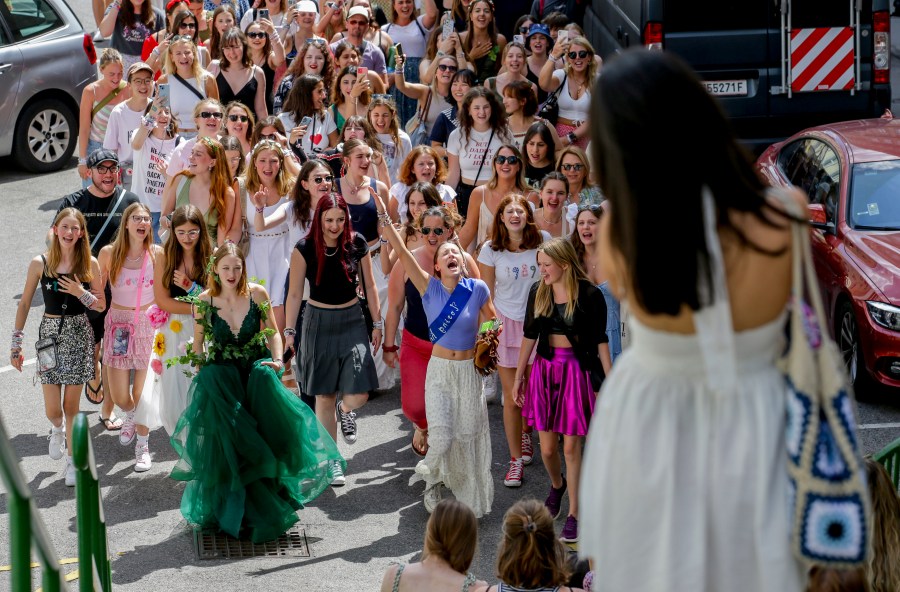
(252,453)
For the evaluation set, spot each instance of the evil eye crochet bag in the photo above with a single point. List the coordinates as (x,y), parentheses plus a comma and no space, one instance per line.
(831,509)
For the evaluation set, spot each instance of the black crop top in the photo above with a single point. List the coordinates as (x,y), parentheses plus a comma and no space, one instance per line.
(334,288)
(54,299)
(586,332)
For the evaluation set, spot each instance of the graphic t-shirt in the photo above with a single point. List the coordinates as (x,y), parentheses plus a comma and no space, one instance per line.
(148,181)
(130,40)
(472,151)
(123,122)
(514,272)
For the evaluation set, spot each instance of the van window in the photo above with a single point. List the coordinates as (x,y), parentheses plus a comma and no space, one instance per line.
(717,15)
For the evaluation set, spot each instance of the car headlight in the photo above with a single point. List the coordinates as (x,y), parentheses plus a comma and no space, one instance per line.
(885,315)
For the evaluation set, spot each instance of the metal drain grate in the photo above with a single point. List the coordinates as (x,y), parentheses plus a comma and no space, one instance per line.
(213,544)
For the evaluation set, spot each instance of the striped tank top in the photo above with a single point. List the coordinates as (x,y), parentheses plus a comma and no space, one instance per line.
(101,120)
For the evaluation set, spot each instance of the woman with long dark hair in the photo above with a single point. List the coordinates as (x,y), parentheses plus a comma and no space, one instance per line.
(251,452)
(539,149)
(67,276)
(336,356)
(179,270)
(308,98)
(234,69)
(697,393)
(448,119)
(266,51)
(313,57)
(481,41)
(471,147)
(553,216)
(128,23)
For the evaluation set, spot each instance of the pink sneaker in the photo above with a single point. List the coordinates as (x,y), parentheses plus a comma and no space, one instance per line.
(127,434)
(527,449)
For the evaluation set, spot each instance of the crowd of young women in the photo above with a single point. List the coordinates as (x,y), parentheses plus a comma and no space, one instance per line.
(328,205)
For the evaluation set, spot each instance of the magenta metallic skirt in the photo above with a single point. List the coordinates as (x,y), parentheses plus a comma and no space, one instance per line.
(559,397)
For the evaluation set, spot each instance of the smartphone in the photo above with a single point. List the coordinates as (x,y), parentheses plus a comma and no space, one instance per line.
(399,47)
(292,3)
(519,39)
(262,13)
(448,28)
(362,72)
(562,36)
(491,325)
(306,120)
(288,354)
(163,93)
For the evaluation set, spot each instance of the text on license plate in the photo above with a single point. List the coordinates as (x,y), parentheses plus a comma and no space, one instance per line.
(726,88)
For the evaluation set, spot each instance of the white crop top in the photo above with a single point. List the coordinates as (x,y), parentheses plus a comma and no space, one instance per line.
(569,108)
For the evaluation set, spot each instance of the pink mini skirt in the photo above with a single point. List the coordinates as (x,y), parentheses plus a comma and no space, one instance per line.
(137,356)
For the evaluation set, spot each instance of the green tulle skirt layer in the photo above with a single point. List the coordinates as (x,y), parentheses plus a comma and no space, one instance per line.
(251,451)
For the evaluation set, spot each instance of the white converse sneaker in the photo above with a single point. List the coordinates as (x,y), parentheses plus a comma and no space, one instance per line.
(70,472)
(57,440)
(127,433)
(337,474)
(142,457)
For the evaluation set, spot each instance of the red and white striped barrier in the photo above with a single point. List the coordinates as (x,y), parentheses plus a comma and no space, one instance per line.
(822,59)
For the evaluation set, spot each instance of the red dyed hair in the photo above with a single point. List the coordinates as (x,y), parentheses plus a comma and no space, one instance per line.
(333,201)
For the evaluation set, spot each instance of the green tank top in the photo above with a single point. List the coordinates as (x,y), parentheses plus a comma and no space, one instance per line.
(183,198)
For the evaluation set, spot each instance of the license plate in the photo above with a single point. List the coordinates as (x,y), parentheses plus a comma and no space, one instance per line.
(726,88)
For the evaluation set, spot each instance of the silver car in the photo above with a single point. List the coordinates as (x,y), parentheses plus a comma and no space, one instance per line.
(46,60)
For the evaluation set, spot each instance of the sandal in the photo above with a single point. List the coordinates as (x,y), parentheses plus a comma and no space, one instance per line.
(94,395)
(112,423)
(419,451)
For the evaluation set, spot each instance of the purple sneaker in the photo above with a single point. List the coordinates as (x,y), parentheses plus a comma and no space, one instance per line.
(554,499)
(569,532)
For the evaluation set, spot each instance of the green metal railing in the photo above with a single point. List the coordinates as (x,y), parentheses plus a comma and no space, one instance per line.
(93,555)
(25,526)
(889,456)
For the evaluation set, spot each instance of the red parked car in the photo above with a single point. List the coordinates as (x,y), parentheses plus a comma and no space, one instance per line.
(851,173)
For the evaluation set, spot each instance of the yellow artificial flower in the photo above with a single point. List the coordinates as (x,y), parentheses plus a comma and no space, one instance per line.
(175,326)
(159,344)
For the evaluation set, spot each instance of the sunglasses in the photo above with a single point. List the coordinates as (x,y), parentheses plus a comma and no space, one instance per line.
(113,168)
(188,233)
(578,54)
(437,231)
(591,208)
(141,219)
(187,26)
(571,167)
(507,159)
(447,68)
(266,137)
(178,38)
(326,178)
(255,35)
(208,115)
(523,30)
(236,118)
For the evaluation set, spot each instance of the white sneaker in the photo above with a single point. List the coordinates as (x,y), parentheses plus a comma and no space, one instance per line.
(433,496)
(490,387)
(142,457)
(70,472)
(57,440)
(337,475)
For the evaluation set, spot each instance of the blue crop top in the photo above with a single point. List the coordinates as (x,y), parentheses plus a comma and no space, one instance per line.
(462,334)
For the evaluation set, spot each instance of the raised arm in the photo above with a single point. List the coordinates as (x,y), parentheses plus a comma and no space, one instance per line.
(429,13)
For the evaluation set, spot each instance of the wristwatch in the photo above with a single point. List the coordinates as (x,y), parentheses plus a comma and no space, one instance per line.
(390,348)
(378,325)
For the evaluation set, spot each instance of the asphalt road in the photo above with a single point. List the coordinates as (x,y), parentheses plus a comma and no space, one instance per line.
(354,532)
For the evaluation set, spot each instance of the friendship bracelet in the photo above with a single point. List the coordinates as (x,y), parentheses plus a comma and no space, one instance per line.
(149,122)
(289,332)
(195,289)
(87,299)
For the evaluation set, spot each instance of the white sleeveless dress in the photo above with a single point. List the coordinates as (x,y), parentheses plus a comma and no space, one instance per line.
(684,482)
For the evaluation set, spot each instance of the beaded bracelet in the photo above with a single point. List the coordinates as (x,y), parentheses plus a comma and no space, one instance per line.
(149,122)
(87,299)
(289,332)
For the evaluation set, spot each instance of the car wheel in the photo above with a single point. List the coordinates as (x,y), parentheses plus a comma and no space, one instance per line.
(851,351)
(46,134)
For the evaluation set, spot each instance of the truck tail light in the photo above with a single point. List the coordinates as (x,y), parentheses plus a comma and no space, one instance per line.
(653,35)
(881,57)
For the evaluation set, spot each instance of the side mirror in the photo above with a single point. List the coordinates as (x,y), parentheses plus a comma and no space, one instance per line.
(818,219)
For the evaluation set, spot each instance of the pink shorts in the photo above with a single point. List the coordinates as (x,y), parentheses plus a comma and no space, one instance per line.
(510,343)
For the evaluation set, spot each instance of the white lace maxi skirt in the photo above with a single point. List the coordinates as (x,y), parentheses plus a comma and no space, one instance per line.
(459,441)
(165,393)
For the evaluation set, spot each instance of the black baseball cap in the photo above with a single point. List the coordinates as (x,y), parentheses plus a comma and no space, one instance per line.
(101,155)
